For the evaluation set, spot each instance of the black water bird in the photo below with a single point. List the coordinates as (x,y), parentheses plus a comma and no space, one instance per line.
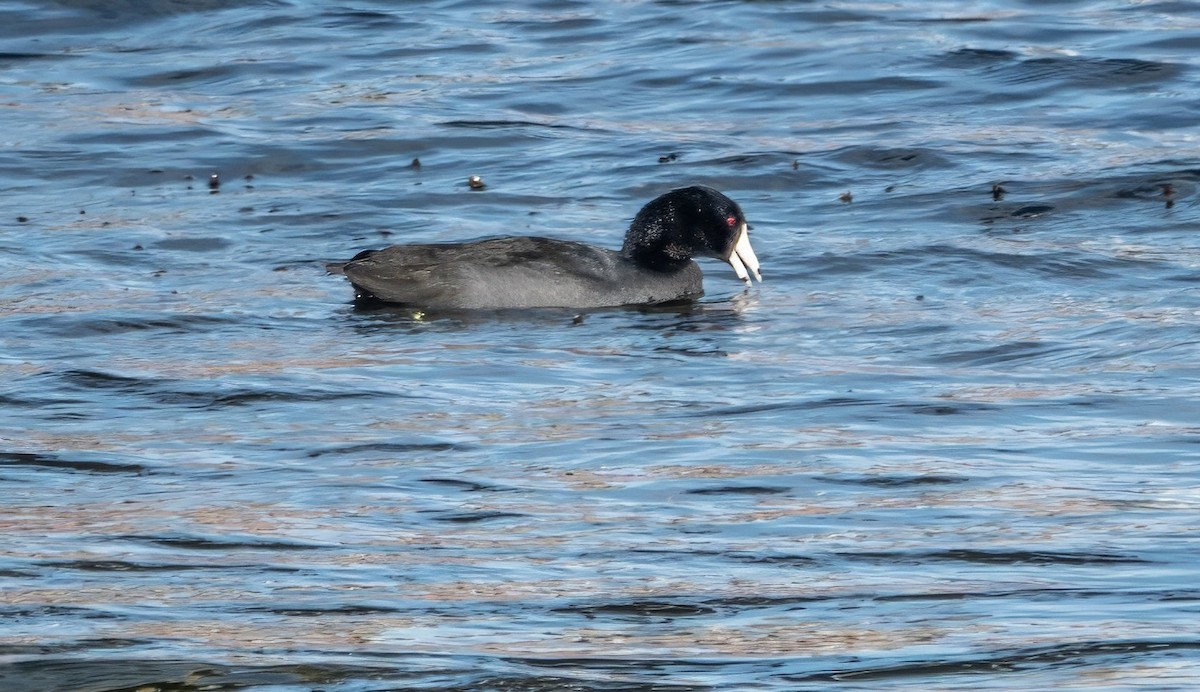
(653,266)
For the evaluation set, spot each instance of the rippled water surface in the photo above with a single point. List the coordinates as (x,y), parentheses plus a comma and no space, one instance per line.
(953,440)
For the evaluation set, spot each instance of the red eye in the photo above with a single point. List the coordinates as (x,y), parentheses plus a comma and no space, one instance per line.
(732,221)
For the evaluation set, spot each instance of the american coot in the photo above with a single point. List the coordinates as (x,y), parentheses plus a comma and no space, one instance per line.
(654,266)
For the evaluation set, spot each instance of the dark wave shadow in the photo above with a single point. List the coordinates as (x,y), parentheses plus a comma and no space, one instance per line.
(58,462)
(1014,661)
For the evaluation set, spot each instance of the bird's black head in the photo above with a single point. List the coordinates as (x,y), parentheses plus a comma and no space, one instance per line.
(689,222)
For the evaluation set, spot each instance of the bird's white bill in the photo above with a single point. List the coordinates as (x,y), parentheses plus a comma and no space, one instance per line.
(743,257)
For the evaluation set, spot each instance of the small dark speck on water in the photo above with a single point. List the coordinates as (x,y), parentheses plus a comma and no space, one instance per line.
(669,158)
(22,219)
(998,192)
(846,197)
(476,183)
(214,183)
(416,164)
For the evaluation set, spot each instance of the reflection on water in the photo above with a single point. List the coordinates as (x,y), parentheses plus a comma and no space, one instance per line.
(949,442)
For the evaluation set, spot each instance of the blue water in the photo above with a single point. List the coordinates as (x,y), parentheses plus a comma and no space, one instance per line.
(952,440)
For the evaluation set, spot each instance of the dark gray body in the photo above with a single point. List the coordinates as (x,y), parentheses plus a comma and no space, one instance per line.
(515,272)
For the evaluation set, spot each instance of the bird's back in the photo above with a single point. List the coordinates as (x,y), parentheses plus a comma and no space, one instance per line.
(513,272)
